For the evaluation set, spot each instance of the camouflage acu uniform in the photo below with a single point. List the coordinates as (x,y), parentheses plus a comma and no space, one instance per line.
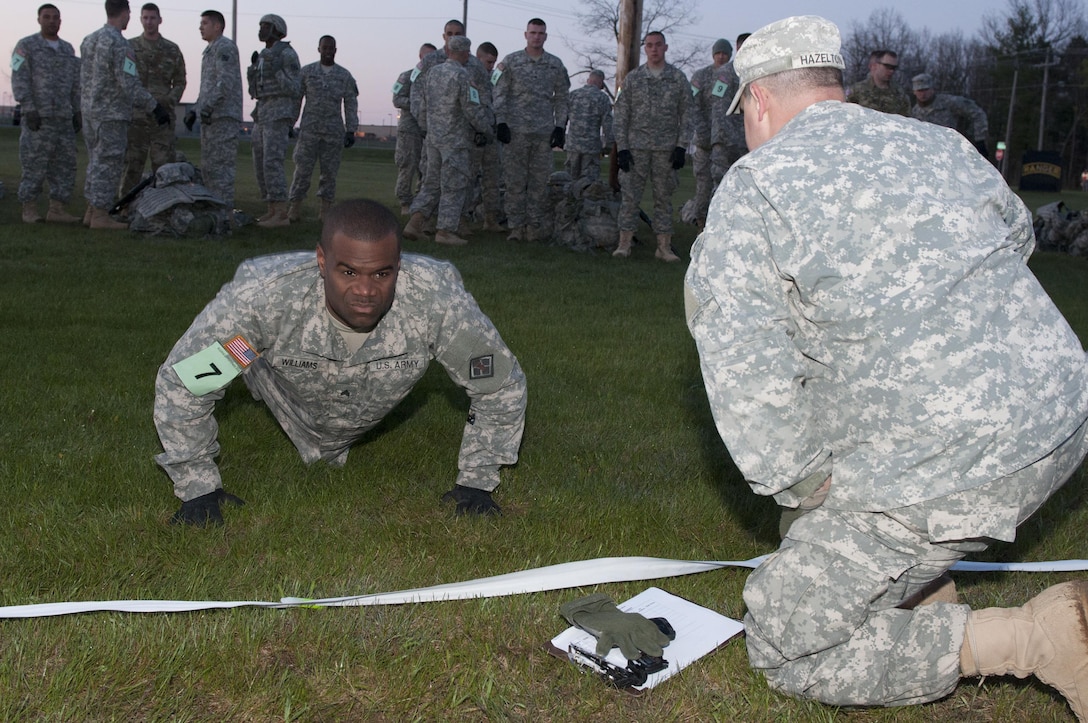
(892,99)
(590,130)
(326,397)
(453,113)
(219,107)
(321,132)
(110,92)
(161,68)
(708,86)
(727,142)
(650,112)
(928,375)
(954,111)
(531,98)
(409,151)
(45,80)
(275,81)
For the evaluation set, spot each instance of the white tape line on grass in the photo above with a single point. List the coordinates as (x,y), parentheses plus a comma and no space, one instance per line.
(551,577)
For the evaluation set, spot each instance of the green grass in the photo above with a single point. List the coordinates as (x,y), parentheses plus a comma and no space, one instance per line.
(620,457)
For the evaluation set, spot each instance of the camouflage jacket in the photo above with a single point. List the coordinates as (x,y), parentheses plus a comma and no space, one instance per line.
(326,93)
(220,81)
(402,101)
(590,120)
(275,81)
(726,129)
(862,313)
(277,303)
(45,80)
(108,83)
(954,111)
(161,68)
(531,94)
(651,111)
(699,118)
(477,76)
(453,110)
(892,99)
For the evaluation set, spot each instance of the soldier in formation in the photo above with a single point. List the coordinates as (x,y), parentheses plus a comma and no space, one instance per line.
(590,128)
(408,155)
(708,85)
(45,82)
(330,117)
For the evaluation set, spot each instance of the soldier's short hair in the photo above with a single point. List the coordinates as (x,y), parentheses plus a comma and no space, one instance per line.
(152,7)
(596,73)
(216,16)
(456,23)
(656,32)
(876,55)
(47,6)
(326,37)
(487,47)
(536,21)
(116,7)
(361,219)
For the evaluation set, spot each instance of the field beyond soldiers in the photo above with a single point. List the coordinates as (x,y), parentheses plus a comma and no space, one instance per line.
(620,458)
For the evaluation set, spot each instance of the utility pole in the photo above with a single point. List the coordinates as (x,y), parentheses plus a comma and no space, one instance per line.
(629,43)
(464,16)
(1008,123)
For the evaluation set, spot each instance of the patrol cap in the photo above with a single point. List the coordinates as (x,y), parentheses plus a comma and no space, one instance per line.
(922,81)
(278,24)
(460,44)
(721,45)
(803,41)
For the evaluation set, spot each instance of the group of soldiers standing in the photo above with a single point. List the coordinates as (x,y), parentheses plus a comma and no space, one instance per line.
(123,95)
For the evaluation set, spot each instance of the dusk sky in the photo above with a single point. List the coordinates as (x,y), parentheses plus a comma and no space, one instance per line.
(377,41)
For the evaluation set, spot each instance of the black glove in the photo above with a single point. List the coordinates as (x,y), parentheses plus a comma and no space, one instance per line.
(190,119)
(679,155)
(559,137)
(470,499)
(624,160)
(162,117)
(291,132)
(349,139)
(204,510)
(480,139)
(502,132)
(77,121)
(634,634)
(981,147)
(33,120)
(254,58)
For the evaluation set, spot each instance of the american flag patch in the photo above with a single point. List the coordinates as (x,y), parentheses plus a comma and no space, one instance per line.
(481,367)
(242,352)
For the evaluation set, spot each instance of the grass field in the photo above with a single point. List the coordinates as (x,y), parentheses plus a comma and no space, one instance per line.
(619,458)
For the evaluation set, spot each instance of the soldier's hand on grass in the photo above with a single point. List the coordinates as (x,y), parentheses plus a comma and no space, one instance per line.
(204,510)
(470,499)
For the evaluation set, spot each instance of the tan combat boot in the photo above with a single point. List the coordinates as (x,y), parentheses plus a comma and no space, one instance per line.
(278,218)
(405,209)
(30,212)
(430,225)
(491,222)
(268,213)
(57,214)
(325,206)
(664,248)
(449,238)
(624,249)
(100,219)
(1047,638)
(517,233)
(294,212)
(87,216)
(414,228)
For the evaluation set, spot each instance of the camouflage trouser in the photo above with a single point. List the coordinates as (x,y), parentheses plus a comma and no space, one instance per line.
(106,141)
(270,140)
(219,157)
(293,417)
(486,166)
(705,184)
(48,155)
(657,167)
(146,136)
(408,158)
(444,186)
(311,149)
(822,620)
(583,165)
(722,158)
(526,163)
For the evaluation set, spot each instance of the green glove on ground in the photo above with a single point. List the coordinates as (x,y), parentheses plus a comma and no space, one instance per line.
(634,634)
